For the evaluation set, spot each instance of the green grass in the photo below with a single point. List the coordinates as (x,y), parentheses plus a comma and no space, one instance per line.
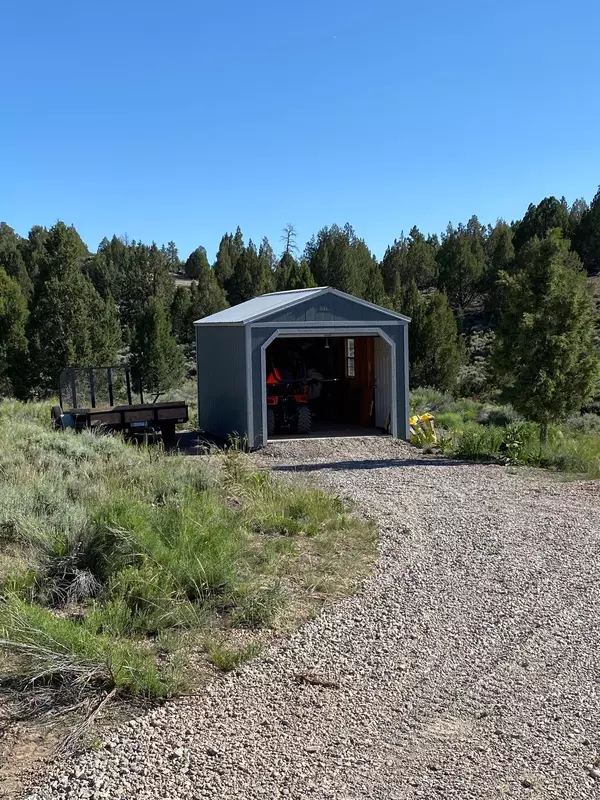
(127,567)
(483,431)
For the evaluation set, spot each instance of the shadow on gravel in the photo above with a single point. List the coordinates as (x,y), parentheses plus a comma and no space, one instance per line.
(370,464)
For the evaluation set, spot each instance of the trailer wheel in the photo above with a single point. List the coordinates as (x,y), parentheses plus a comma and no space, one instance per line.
(55,415)
(168,434)
(270,422)
(304,419)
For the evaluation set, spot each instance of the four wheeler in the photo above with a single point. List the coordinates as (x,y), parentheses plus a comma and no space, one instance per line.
(287,404)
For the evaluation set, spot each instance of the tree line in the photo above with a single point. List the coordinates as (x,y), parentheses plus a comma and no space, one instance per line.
(61,305)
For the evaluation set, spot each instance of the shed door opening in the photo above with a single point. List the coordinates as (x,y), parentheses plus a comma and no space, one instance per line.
(335,385)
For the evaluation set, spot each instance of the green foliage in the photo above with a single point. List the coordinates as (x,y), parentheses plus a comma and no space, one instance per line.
(13,318)
(545,354)
(117,562)
(587,237)
(338,258)
(461,264)
(475,377)
(197,264)
(439,349)
(539,220)
(155,353)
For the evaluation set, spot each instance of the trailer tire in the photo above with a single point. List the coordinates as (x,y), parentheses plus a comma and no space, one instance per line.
(304,420)
(167,431)
(56,414)
(270,422)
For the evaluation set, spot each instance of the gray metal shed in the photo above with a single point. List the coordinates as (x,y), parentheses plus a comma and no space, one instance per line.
(232,347)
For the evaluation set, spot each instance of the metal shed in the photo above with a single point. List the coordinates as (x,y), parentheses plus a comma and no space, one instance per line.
(369,345)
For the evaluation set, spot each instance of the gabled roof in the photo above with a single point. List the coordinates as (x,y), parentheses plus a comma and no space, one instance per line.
(265,304)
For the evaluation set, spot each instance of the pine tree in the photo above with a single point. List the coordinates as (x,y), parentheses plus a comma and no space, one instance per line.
(197,263)
(461,265)
(230,250)
(11,258)
(180,314)
(33,250)
(374,290)
(551,213)
(545,353)
(500,255)
(299,275)
(420,263)
(13,344)
(587,237)
(393,266)
(70,325)
(154,351)
(438,354)
(173,257)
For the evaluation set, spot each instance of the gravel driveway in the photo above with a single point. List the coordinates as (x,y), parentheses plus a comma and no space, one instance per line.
(468,668)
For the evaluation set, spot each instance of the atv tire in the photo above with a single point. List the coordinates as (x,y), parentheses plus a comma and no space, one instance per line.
(270,422)
(304,420)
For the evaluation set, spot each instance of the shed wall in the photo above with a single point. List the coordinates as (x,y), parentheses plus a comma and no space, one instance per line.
(222,391)
(328,308)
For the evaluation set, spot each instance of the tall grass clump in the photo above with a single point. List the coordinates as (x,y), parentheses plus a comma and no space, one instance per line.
(109,550)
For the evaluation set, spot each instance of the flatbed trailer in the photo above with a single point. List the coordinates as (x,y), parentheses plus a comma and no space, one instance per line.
(110,384)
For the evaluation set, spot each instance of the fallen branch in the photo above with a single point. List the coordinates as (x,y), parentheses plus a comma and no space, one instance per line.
(67,744)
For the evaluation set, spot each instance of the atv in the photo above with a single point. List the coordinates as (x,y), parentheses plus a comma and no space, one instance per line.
(287,405)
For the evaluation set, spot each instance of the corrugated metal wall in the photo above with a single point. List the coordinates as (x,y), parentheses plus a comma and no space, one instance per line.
(221,359)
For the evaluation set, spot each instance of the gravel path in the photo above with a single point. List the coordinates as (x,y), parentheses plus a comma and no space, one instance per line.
(468,668)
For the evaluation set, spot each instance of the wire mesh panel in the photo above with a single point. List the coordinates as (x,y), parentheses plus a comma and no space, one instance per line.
(98,387)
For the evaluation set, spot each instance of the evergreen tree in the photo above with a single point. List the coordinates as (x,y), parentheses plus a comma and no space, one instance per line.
(65,327)
(197,263)
(539,220)
(13,344)
(251,276)
(180,314)
(106,337)
(299,275)
(338,258)
(11,258)
(154,351)
(437,354)
(420,264)
(500,254)
(286,263)
(587,237)
(545,352)
(374,290)
(33,249)
(461,265)
(147,276)
(173,257)
(230,250)
(393,267)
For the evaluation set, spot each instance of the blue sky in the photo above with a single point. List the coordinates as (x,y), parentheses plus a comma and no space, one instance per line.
(182,120)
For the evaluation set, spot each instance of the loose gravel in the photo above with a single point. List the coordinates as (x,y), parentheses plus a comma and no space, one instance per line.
(467,668)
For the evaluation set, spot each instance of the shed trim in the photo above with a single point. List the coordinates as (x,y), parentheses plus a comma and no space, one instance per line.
(315,332)
(326,324)
(249,393)
(299,298)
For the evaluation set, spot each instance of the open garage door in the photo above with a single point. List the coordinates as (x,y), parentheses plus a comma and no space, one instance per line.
(383,384)
(330,385)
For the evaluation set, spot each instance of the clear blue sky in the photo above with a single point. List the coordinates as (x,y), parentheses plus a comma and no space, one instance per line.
(182,119)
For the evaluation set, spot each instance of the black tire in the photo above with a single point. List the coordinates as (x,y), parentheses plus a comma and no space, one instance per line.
(168,434)
(56,414)
(304,419)
(270,422)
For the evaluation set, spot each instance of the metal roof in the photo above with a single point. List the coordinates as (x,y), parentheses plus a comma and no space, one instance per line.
(266,304)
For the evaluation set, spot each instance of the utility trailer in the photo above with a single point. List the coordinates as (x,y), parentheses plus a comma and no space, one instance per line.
(112,399)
